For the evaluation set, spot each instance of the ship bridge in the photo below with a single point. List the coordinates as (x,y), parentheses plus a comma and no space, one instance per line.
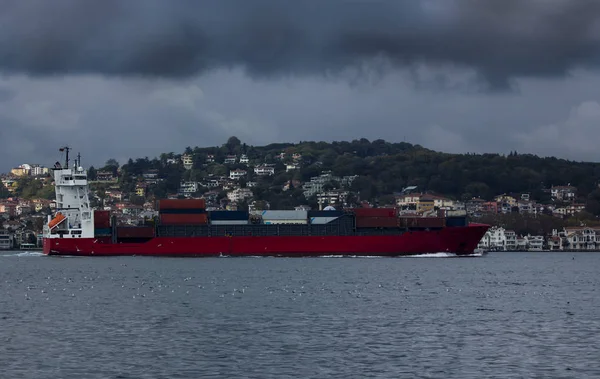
(74,217)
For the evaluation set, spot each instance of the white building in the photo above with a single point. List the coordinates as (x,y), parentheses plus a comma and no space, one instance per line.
(37,170)
(535,243)
(244,159)
(6,240)
(188,188)
(332,197)
(494,239)
(264,170)
(239,194)
(188,161)
(236,174)
(511,240)
(230,159)
(563,193)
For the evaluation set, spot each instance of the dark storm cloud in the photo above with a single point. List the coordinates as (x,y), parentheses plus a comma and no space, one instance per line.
(500,39)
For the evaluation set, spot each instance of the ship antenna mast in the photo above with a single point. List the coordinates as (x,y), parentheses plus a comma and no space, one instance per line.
(66,149)
(78,160)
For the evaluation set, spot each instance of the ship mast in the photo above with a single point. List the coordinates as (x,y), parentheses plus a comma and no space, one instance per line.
(66,149)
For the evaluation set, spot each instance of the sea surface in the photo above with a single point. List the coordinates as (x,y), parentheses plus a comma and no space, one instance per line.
(503,315)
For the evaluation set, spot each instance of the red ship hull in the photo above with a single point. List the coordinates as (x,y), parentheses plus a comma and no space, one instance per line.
(459,240)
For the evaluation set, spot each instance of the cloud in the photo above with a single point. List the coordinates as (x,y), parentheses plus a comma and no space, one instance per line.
(122,118)
(575,138)
(499,40)
(437,138)
(6,94)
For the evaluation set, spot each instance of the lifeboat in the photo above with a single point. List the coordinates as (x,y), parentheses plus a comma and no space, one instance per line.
(56,220)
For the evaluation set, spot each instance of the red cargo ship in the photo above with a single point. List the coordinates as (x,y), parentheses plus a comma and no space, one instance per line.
(185,228)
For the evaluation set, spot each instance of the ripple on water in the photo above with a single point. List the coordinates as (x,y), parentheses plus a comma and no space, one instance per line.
(502,316)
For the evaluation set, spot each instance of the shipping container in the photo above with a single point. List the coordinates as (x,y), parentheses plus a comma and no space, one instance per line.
(312,214)
(183,219)
(456,213)
(180,211)
(421,222)
(375,212)
(181,204)
(102,232)
(229,215)
(229,222)
(284,215)
(135,232)
(456,221)
(101,219)
(281,222)
(322,220)
(377,222)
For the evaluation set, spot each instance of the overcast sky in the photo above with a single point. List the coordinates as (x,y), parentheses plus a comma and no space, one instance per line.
(120,79)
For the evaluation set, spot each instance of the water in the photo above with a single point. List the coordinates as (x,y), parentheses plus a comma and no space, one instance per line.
(504,315)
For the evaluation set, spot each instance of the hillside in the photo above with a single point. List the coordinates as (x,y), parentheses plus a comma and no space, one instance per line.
(382,169)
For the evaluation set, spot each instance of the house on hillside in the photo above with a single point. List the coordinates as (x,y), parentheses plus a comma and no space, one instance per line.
(563,193)
(237,174)
(105,176)
(264,170)
(230,159)
(188,161)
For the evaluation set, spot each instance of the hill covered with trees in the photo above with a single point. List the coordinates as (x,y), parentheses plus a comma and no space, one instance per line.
(384,168)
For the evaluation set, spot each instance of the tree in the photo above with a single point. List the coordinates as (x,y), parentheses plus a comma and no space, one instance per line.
(3,191)
(112,162)
(233,145)
(91,173)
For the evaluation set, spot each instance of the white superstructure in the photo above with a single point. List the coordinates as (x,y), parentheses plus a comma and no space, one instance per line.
(73,217)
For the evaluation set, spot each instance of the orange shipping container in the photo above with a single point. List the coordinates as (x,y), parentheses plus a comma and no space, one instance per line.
(181,204)
(184,219)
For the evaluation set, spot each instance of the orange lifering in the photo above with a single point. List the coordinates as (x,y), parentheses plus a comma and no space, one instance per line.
(58,218)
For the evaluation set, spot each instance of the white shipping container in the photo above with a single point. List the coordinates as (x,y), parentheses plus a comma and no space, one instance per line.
(457,213)
(229,222)
(284,215)
(322,220)
(276,222)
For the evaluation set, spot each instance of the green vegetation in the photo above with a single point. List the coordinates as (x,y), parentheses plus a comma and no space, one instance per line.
(383,168)
(3,191)
(34,188)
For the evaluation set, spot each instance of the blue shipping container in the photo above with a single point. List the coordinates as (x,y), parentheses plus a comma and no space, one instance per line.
(456,221)
(312,214)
